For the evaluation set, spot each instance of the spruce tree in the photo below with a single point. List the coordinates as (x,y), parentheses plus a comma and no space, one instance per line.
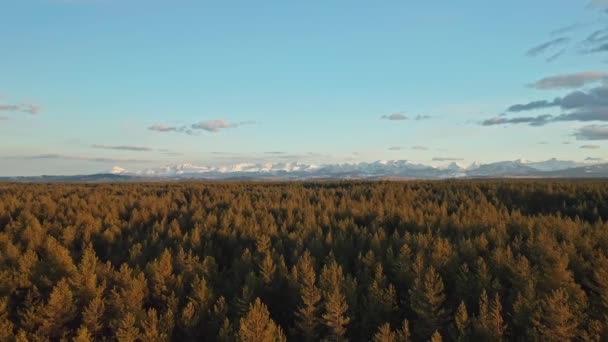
(310,296)
(427,298)
(257,326)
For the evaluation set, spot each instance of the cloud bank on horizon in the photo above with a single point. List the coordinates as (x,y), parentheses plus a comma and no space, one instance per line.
(271,88)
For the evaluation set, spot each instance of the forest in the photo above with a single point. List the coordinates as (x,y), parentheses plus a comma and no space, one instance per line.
(384,261)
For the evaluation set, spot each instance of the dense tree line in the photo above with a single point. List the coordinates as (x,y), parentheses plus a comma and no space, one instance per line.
(336,261)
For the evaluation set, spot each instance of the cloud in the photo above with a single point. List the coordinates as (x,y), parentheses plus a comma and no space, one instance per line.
(540,49)
(566,81)
(420,148)
(593,114)
(592,132)
(219,124)
(443,159)
(163,128)
(3,118)
(599,3)
(589,100)
(593,159)
(583,106)
(167,129)
(401,116)
(599,48)
(123,148)
(568,28)
(394,117)
(543,143)
(23,108)
(598,36)
(539,120)
(531,106)
(68,157)
(213,125)
(275,152)
(395,148)
(207,125)
(591,147)
(555,56)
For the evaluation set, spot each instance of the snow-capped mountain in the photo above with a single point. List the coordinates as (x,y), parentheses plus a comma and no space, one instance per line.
(382,169)
(404,169)
(503,168)
(552,164)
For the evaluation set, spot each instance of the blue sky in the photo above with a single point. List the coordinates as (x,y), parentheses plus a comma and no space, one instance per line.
(86,85)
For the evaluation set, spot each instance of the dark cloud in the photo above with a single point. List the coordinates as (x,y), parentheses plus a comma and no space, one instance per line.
(275,152)
(539,120)
(600,48)
(395,148)
(531,106)
(568,28)
(23,108)
(163,128)
(123,148)
(420,148)
(594,114)
(442,159)
(555,56)
(422,117)
(167,129)
(540,49)
(592,132)
(599,36)
(67,157)
(566,81)
(394,117)
(593,159)
(591,147)
(587,101)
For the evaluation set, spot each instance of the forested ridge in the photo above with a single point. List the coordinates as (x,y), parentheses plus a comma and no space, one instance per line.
(336,261)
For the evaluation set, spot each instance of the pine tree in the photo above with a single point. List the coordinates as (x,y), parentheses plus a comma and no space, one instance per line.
(335,318)
(92,316)
(403,335)
(380,302)
(555,321)
(436,337)
(127,331)
(6,326)
(483,323)
(385,334)
(267,269)
(83,335)
(58,312)
(257,326)
(310,296)
(226,333)
(151,331)
(426,298)
(461,322)
(497,324)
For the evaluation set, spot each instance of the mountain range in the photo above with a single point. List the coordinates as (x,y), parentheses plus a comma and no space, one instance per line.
(382,169)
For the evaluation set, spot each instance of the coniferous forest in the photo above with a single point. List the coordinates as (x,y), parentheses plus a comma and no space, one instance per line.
(514,260)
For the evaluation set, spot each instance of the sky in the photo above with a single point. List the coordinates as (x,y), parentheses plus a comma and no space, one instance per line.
(87,85)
